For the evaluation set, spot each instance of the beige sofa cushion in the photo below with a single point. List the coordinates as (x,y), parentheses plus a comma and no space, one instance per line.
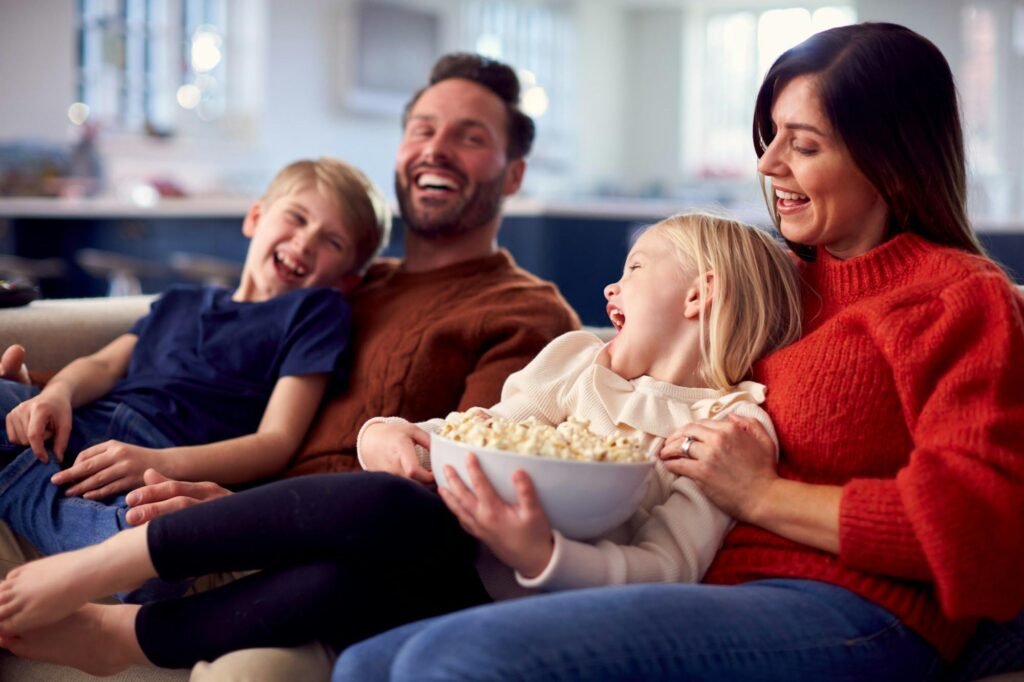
(56,331)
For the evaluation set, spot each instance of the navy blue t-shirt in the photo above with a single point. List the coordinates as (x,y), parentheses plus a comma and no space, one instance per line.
(204,366)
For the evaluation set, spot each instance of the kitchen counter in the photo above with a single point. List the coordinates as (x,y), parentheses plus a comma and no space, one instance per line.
(578,244)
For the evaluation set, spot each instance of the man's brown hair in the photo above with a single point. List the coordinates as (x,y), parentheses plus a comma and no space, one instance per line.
(497,77)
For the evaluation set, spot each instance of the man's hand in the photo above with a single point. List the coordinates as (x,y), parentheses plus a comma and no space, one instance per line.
(161,495)
(519,534)
(34,421)
(391,447)
(108,468)
(12,365)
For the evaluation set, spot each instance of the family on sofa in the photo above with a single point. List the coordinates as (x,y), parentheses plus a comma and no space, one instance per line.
(871,537)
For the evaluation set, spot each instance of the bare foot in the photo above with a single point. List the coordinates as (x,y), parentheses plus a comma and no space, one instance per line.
(12,365)
(45,591)
(99,640)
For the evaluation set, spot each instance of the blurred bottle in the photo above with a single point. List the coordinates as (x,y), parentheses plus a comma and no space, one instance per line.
(85,170)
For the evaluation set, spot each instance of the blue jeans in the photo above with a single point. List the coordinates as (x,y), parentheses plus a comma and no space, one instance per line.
(765,630)
(38,510)
(995,649)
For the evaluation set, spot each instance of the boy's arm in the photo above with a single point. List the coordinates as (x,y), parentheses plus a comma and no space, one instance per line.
(113,467)
(92,376)
(81,382)
(290,410)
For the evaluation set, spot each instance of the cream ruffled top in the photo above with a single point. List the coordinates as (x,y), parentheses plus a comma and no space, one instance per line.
(674,534)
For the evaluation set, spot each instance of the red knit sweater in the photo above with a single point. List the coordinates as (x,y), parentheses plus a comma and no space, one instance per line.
(907,389)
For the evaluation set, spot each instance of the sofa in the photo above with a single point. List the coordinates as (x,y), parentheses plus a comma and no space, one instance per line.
(55,332)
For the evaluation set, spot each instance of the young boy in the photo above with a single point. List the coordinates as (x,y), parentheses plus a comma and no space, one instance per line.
(211,384)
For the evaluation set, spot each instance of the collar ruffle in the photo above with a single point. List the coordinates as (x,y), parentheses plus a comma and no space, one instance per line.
(659,408)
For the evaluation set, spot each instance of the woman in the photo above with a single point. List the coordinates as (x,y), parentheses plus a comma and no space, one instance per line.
(892,521)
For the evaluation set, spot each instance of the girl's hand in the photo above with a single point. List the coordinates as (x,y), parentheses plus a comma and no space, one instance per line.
(37,419)
(108,468)
(391,447)
(518,534)
(731,459)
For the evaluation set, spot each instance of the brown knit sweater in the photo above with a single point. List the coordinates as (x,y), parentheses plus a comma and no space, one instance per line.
(427,343)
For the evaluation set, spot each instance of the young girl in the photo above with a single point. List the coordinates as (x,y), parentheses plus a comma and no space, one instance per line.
(700,299)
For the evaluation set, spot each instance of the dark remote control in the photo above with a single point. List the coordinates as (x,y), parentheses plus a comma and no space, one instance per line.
(15,292)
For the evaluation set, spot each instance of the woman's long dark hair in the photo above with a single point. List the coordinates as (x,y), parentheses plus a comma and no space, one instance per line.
(889,95)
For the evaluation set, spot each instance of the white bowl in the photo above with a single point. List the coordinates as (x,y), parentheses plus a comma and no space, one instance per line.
(582,499)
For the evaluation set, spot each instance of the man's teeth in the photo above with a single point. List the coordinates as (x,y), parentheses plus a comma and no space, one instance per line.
(431,181)
(793,196)
(297,269)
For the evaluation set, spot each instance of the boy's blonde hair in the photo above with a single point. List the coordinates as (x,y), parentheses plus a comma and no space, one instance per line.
(362,205)
(755,306)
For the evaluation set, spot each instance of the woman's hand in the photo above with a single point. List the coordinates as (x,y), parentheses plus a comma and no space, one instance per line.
(518,534)
(731,459)
(391,447)
(37,419)
(162,495)
(108,468)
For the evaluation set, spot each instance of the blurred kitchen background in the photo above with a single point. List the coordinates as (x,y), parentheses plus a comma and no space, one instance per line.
(134,133)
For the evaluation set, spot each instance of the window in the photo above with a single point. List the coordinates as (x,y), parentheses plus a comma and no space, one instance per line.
(538,39)
(738,48)
(991,94)
(140,62)
(978,85)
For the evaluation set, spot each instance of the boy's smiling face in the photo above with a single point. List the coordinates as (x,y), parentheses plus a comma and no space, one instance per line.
(299,240)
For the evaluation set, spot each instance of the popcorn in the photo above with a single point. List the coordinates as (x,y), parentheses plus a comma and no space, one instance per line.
(572,439)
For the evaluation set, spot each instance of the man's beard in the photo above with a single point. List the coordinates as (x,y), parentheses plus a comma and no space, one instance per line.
(462,216)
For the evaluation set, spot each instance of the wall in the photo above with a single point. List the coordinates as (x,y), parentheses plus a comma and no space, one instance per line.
(303,113)
(601,76)
(36,68)
(652,95)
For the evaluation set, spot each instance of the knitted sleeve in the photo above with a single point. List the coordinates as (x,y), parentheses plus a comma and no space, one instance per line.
(512,334)
(539,389)
(955,514)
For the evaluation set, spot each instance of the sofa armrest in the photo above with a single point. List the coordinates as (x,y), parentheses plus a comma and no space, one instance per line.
(56,331)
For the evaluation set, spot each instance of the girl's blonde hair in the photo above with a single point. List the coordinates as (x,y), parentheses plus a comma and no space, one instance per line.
(362,204)
(755,305)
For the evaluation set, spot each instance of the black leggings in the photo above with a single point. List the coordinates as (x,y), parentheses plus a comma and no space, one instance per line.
(343,557)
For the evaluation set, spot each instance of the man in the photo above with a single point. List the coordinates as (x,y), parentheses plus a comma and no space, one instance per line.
(439,330)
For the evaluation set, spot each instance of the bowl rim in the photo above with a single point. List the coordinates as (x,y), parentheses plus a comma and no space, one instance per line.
(650,461)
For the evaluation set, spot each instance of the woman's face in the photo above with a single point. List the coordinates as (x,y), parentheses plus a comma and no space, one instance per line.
(821,196)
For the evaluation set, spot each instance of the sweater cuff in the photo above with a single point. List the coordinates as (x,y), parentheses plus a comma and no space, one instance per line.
(367,424)
(572,565)
(875,533)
